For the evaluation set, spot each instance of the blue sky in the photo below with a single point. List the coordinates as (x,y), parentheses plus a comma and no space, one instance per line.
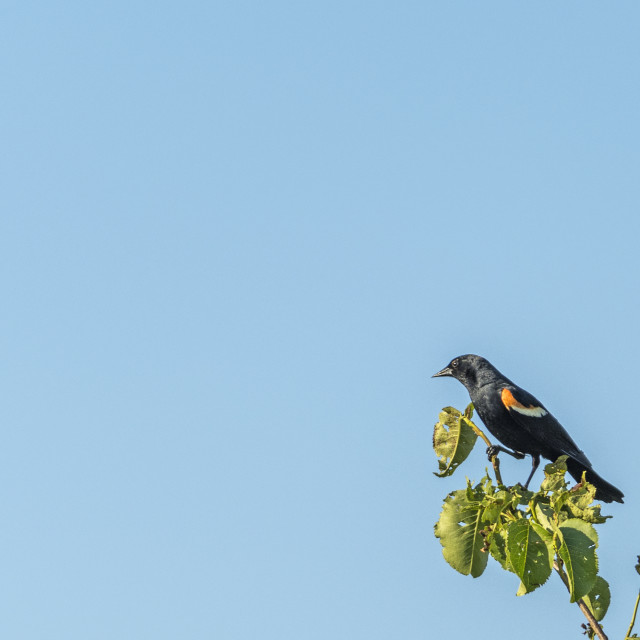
(237,239)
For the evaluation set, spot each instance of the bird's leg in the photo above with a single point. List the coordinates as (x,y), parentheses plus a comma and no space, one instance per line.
(535,458)
(495,449)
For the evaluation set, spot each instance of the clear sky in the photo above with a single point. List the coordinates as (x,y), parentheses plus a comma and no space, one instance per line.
(237,238)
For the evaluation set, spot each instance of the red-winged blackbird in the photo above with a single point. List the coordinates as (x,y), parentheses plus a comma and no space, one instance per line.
(521,422)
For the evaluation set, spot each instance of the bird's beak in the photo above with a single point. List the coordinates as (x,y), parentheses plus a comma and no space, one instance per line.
(445,372)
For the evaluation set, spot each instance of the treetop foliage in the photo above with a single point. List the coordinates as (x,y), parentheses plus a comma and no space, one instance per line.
(529,533)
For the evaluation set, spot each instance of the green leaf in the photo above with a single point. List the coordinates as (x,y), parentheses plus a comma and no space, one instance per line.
(493,509)
(468,412)
(578,503)
(453,440)
(530,553)
(459,530)
(495,501)
(520,495)
(638,565)
(578,552)
(498,548)
(554,475)
(598,598)
(544,515)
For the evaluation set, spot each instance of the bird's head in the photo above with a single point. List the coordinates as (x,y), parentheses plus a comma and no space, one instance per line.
(469,369)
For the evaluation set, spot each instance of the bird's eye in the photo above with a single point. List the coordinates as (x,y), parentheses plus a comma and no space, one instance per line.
(454,364)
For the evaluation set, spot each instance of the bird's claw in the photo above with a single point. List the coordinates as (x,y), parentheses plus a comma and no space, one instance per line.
(492,451)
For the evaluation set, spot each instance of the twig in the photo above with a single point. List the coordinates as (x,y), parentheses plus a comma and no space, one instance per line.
(494,459)
(496,468)
(597,629)
(633,618)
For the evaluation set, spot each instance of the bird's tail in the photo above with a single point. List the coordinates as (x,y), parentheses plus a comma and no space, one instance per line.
(605,491)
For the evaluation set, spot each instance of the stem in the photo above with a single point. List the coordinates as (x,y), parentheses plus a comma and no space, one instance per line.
(597,629)
(496,468)
(494,460)
(633,619)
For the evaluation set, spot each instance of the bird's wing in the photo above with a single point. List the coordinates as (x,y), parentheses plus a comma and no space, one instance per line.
(529,414)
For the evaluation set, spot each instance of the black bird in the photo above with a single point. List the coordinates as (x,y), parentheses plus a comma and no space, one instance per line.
(521,422)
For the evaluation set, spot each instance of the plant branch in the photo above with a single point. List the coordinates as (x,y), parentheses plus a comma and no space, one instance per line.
(597,629)
(633,618)
(494,459)
(496,468)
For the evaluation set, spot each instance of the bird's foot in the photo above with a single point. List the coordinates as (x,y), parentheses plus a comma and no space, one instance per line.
(493,451)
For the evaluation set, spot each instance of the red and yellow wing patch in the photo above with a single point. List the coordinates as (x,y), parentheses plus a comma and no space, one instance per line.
(509,401)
